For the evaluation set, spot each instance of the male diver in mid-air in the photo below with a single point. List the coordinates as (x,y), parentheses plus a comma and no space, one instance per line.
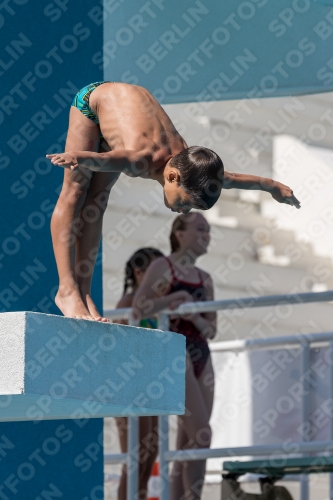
(114,128)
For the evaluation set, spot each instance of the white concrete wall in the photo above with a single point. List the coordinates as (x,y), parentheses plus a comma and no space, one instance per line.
(312,168)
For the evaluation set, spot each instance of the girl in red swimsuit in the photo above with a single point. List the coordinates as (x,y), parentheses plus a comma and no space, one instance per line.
(170,282)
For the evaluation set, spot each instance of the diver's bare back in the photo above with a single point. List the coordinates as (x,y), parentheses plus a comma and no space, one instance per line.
(131,118)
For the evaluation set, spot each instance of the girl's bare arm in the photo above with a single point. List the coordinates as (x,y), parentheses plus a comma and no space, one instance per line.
(206,322)
(149,300)
(150,297)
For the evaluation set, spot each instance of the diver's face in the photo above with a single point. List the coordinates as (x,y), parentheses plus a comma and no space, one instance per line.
(177,199)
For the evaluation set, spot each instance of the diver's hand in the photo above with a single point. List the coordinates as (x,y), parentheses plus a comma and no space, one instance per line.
(65,160)
(283,194)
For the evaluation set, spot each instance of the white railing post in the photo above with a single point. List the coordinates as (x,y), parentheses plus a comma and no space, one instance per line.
(163,322)
(330,495)
(163,446)
(305,367)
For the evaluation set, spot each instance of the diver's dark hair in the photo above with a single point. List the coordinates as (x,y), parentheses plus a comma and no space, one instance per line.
(139,260)
(201,175)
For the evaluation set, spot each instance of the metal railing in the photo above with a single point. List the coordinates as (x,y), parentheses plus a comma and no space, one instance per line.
(304,341)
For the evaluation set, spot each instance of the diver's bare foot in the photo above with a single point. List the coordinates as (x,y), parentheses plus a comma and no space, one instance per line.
(71,305)
(91,306)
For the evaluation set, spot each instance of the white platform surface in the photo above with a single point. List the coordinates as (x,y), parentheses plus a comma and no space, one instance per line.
(54,367)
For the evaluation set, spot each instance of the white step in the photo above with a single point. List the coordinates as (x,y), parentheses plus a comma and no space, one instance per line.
(235,272)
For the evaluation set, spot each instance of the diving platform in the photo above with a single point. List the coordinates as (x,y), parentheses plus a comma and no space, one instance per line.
(52,367)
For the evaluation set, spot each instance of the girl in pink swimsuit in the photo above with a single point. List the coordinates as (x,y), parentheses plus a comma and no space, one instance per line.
(168,283)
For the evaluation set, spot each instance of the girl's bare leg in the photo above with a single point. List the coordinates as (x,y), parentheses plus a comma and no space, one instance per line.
(176,478)
(207,385)
(84,135)
(122,433)
(149,447)
(195,424)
